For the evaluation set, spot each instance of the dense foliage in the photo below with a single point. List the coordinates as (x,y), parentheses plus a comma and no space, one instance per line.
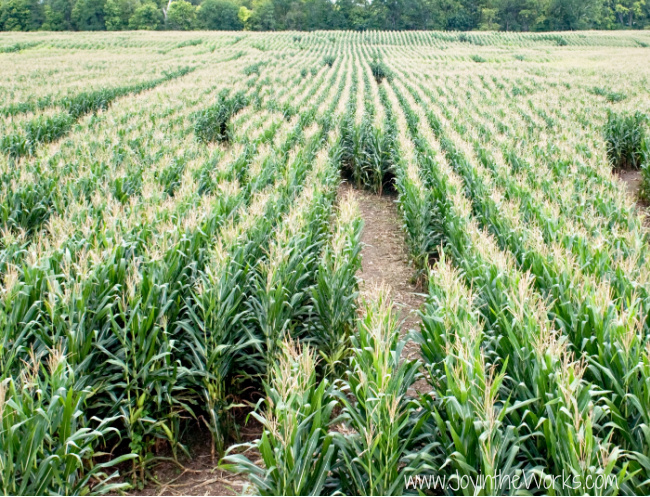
(626,140)
(178,255)
(308,15)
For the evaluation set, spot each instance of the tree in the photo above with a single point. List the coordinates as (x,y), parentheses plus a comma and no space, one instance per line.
(289,14)
(488,19)
(89,15)
(418,14)
(269,15)
(220,15)
(14,15)
(355,14)
(118,13)
(147,16)
(58,15)
(386,14)
(244,15)
(295,18)
(261,17)
(459,15)
(181,15)
(628,10)
(573,14)
(521,15)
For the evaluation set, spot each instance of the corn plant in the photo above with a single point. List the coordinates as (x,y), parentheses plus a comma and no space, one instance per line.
(590,322)
(645,172)
(625,136)
(335,292)
(211,124)
(281,287)
(216,314)
(477,436)
(141,373)
(610,96)
(165,250)
(296,446)
(46,444)
(380,70)
(530,350)
(383,439)
(151,391)
(214,324)
(417,216)
(46,129)
(366,150)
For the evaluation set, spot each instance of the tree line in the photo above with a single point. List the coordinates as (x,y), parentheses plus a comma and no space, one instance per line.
(307,15)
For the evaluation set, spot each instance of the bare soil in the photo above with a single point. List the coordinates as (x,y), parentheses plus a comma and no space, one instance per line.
(632,180)
(385,261)
(198,474)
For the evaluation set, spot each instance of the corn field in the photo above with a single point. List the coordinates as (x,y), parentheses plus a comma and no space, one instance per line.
(177,256)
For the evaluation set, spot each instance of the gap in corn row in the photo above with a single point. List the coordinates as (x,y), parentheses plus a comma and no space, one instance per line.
(199,475)
(385,261)
(633,182)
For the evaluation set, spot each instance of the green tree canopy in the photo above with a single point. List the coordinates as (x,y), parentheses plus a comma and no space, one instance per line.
(308,15)
(15,15)
(146,16)
(181,15)
(262,17)
(57,15)
(118,13)
(573,14)
(89,15)
(220,15)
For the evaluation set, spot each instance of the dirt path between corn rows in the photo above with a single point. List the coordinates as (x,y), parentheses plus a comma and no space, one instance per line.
(199,474)
(385,261)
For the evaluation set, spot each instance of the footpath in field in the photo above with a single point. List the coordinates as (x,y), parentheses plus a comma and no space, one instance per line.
(385,259)
(632,180)
(199,476)
(384,262)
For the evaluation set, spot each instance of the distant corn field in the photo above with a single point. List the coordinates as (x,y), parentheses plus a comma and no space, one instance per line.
(175,254)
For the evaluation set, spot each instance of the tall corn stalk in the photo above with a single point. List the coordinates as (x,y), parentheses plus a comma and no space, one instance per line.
(335,291)
(296,448)
(46,445)
(382,441)
(280,302)
(478,437)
